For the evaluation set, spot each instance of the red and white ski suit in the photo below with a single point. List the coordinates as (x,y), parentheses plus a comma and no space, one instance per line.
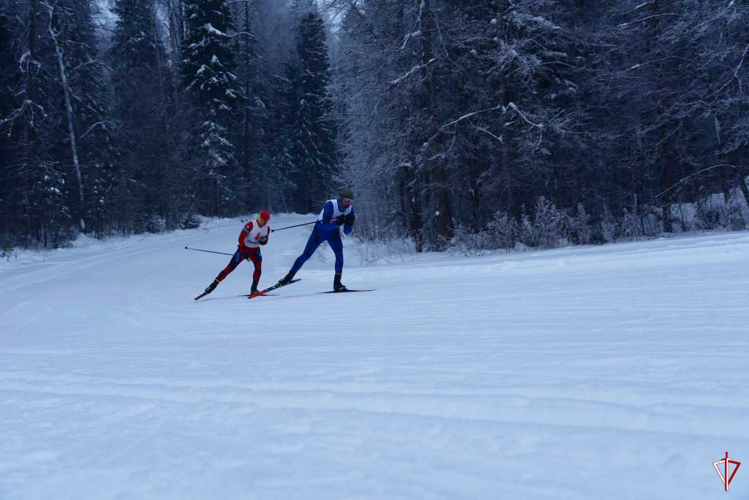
(249,249)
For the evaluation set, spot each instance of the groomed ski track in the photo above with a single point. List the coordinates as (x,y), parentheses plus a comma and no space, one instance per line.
(618,372)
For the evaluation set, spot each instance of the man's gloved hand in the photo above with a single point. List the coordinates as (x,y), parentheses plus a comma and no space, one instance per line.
(339,221)
(263,240)
(349,219)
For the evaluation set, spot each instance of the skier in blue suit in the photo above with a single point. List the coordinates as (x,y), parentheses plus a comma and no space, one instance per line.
(335,213)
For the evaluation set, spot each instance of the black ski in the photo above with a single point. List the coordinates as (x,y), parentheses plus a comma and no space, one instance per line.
(277,285)
(346,291)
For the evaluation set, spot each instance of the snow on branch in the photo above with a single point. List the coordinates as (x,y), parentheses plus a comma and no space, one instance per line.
(741,62)
(682,182)
(525,19)
(103,123)
(513,106)
(504,109)
(482,129)
(458,120)
(624,25)
(412,71)
(18,112)
(408,37)
(213,31)
(735,75)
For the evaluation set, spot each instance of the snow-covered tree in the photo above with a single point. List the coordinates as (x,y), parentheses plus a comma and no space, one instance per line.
(313,153)
(460,105)
(209,75)
(10,192)
(142,91)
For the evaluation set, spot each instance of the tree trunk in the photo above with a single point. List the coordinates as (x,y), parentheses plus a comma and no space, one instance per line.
(28,135)
(506,193)
(411,203)
(68,109)
(434,167)
(247,87)
(176,31)
(475,198)
(163,71)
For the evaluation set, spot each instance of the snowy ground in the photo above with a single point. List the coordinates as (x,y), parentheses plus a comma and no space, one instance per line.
(619,371)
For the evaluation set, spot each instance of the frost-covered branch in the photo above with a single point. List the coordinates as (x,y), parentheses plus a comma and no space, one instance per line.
(413,70)
(464,117)
(684,180)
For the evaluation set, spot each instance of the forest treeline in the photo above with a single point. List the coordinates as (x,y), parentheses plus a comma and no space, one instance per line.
(477,124)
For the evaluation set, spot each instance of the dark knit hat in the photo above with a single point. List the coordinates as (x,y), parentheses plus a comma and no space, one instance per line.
(346,193)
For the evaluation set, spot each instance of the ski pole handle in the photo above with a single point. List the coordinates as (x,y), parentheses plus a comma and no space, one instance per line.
(208,251)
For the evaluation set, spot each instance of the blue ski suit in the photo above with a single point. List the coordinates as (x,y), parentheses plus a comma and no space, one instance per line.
(332,215)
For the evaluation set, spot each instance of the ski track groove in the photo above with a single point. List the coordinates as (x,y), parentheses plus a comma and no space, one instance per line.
(515,409)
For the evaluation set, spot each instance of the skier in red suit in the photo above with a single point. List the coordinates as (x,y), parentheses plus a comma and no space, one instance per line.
(253,235)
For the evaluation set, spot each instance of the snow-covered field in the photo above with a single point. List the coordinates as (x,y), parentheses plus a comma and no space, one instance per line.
(619,371)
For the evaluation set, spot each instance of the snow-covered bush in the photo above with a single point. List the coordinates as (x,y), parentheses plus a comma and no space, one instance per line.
(608,227)
(527,234)
(190,221)
(391,250)
(651,222)
(715,212)
(469,243)
(580,229)
(503,231)
(500,233)
(550,225)
(683,217)
(630,226)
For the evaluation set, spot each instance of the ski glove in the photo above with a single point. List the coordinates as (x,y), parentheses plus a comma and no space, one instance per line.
(340,220)
(263,240)
(349,219)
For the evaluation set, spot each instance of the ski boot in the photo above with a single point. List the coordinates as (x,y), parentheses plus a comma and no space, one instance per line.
(286,279)
(253,289)
(337,285)
(212,286)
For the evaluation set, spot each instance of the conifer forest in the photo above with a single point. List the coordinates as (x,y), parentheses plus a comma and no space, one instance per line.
(469,124)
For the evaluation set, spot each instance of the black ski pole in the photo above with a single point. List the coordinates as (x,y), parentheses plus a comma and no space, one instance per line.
(208,251)
(289,227)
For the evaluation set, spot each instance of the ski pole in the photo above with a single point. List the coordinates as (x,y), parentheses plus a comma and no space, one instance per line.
(208,251)
(289,227)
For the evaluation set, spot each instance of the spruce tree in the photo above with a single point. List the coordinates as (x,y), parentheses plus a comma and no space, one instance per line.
(141,90)
(313,151)
(209,75)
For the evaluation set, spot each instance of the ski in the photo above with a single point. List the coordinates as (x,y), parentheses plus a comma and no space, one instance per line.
(243,295)
(277,285)
(261,293)
(347,291)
